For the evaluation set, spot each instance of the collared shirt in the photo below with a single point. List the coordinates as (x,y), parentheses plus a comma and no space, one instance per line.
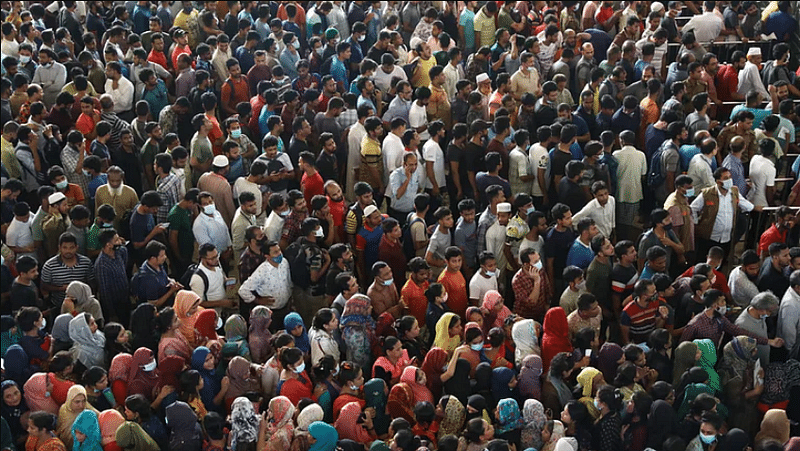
(520,166)
(268,280)
(240,224)
(735,166)
(405,203)
(750,78)
(721,232)
(604,216)
(274,226)
(169,190)
(153,283)
(112,279)
(700,171)
(248,263)
(701,326)
(397,108)
(211,229)
(291,226)
(219,187)
(789,318)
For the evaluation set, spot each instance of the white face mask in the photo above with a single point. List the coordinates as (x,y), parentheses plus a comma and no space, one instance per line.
(727,184)
(150,366)
(209,209)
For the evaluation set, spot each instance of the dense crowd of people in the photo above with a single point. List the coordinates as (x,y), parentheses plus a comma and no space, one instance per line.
(400,225)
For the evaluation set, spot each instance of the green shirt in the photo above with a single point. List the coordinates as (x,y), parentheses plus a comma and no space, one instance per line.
(181,220)
(93,238)
(149,151)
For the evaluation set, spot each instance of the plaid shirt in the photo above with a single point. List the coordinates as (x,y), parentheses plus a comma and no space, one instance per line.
(169,188)
(112,279)
(522,285)
(69,159)
(248,262)
(291,227)
(701,326)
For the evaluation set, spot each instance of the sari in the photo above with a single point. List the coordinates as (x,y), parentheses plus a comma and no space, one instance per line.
(118,376)
(421,392)
(281,427)
(141,382)
(708,358)
(184,301)
(454,416)
(87,347)
(358,330)
(131,437)
(86,423)
(530,377)
(211,382)
(325,436)
(110,420)
(290,322)
(491,300)
(400,403)
(376,397)
(555,336)
(52,443)
(524,335)
(534,418)
(67,416)
(259,337)
(244,422)
(434,366)
(36,395)
(443,339)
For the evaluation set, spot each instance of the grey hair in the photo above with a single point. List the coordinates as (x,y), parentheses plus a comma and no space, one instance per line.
(765,301)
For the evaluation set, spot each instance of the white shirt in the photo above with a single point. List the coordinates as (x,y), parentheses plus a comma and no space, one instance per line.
(268,280)
(216,284)
(451,76)
(604,216)
(539,160)
(762,175)
(721,232)
(417,117)
(632,166)
(700,172)
(19,234)
(789,318)
(433,153)
(11,48)
(706,26)
(750,78)
(243,185)
(495,240)
(354,138)
(519,166)
(122,96)
(392,155)
(383,81)
(479,285)
(274,226)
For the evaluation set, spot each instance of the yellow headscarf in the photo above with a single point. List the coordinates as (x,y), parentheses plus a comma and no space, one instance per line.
(443,339)
(585,378)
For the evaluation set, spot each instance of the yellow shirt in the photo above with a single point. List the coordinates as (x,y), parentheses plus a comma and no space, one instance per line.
(421,76)
(10,159)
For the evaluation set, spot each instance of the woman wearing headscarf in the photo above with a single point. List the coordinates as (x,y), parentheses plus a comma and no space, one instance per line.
(259,336)
(708,359)
(17,365)
(244,423)
(453,416)
(555,337)
(609,358)
(87,342)
(358,329)
(556,434)
(661,424)
(352,425)
(434,366)
(14,410)
(494,310)
(85,431)
(37,394)
(504,383)
(206,325)
(774,426)
(509,421)
(60,333)
(589,380)
(376,395)
(69,411)
(236,335)
(309,414)
(533,418)
(458,384)
(448,332)
(131,437)
(144,335)
(473,348)
(739,387)
(187,308)
(118,374)
(79,299)
(10,333)
(240,379)
(211,393)
(110,420)
(325,436)
(143,376)
(686,354)
(415,378)
(524,335)
(401,402)
(280,428)
(185,433)
(294,325)
(482,384)
(172,341)
(735,440)
(695,383)
(530,377)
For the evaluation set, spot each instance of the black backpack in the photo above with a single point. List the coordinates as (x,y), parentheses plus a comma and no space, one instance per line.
(186,278)
(655,177)
(295,253)
(408,240)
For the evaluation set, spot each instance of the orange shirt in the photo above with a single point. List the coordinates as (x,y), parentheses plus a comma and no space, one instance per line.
(413,296)
(85,124)
(456,287)
(214,134)
(74,195)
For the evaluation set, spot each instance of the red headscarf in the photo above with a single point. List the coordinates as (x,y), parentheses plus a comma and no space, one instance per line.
(433,366)
(205,327)
(169,368)
(555,338)
(141,382)
(421,392)
(401,402)
(118,374)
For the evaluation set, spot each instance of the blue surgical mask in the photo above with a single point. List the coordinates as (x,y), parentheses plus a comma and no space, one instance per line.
(86,173)
(727,184)
(388,283)
(690,192)
(708,439)
(764,316)
(597,405)
(476,346)
(150,366)
(106,225)
(62,184)
(491,273)
(236,134)
(530,211)
(209,209)
(296,44)
(278,259)
(286,212)
(538,265)
(44,324)
(24,59)
(300,368)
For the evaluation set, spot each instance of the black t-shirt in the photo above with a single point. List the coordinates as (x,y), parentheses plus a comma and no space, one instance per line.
(571,194)
(556,245)
(458,155)
(327,166)
(23,296)
(689,307)
(558,165)
(473,157)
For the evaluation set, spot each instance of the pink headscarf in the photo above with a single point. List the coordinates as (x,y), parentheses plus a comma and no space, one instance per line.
(493,318)
(421,392)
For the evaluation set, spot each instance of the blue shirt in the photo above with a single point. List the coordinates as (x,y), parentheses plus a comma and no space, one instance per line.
(235,170)
(246,59)
(97,182)
(263,116)
(759,113)
(580,255)
(467,20)
(365,101)
(339,72)
(141,225)
(356,55)
(141,19)
(289,63)
(152,283)
(622,121)
(157,97)
(781,24)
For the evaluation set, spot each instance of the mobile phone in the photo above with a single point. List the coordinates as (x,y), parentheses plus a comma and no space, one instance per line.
(165,225)
(230,281)
(588,353)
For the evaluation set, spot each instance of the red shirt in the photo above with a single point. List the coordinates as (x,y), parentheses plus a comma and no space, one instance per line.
(727,81)
(456,287)
(312,186)
(177,52)
(240,93)
(158,58)
(720,282)
(214,134)
(85,124)
(392,253)
(256,103)
(771,235)
(413,296)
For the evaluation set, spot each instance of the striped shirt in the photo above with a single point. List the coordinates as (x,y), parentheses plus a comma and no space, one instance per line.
(641,321)
(623,279)
(55,272)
